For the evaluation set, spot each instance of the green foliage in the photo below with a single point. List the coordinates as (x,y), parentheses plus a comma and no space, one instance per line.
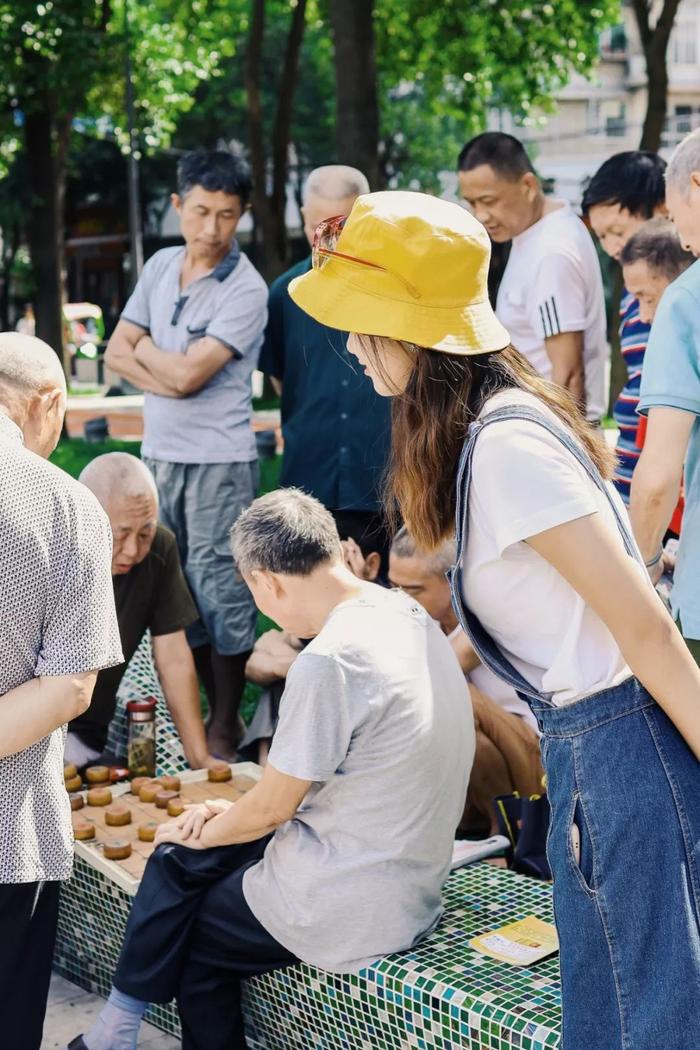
(75,53)
(440,67)
(219,113)
(174,47)
(74,455)
(443,66)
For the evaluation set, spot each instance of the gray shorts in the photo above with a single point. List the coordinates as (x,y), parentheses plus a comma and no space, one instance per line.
(200,502)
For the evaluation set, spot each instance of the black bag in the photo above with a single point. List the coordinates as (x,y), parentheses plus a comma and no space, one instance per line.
(525,823)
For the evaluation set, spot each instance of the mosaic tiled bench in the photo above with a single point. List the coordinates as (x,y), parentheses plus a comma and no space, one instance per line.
(442,995)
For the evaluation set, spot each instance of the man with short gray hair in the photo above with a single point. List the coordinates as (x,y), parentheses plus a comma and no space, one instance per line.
(670,396)
(339,853)
(336,428)
(57,630)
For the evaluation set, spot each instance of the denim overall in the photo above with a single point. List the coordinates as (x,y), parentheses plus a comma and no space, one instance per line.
(628,913)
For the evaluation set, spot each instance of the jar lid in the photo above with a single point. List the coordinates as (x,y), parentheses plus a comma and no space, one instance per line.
(147,704)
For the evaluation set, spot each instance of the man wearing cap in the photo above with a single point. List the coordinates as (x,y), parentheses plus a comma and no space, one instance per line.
(336,429)
(189,337)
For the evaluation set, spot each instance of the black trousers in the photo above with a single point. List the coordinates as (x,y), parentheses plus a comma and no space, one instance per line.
(28,917)
(191,936)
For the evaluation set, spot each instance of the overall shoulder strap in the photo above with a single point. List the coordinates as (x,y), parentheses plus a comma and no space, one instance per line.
(533,415)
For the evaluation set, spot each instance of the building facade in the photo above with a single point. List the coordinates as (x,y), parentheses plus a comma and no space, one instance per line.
(604,115)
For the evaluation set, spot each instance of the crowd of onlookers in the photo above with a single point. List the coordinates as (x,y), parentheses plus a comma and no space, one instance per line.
(197,324)
(200,320)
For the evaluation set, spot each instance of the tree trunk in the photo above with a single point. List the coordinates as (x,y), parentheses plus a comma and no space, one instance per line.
(357,106)
(655,44)
(46,141)
(281,133)
(269,209)
(10,247)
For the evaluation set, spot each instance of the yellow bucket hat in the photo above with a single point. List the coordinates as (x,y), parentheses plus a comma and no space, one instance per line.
(406,266)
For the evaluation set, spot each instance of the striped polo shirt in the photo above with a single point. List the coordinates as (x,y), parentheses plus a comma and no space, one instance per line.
(634,335)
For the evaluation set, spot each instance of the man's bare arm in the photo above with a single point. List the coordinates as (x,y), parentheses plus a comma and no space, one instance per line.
(175,666)
(657,477)
(565,351)
(34,709)
(464,651)
(272,658)
(120,358)
(273,801)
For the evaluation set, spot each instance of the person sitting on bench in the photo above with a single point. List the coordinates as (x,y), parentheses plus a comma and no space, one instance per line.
(339,854)
(507,755)
(275,651)
(150,593)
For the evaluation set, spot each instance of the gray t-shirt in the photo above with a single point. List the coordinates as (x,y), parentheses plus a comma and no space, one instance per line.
(229,304)
(57,618)
(377,714)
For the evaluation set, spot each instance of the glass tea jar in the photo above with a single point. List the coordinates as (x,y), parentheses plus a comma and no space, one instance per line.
(141,747)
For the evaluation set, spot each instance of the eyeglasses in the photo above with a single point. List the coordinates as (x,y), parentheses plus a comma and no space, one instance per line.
(323,250)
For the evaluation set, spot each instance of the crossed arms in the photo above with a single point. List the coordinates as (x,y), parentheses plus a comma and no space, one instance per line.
(131,353)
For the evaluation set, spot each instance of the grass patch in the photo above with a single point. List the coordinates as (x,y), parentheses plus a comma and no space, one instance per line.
(74,454)
(265,404)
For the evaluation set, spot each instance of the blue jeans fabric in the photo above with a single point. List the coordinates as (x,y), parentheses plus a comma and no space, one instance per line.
(628,912)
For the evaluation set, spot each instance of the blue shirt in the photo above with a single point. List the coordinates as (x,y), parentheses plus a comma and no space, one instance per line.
(229,303)
(337,430)
(671,379)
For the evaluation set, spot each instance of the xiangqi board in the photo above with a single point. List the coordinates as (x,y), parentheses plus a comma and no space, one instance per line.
(195,787)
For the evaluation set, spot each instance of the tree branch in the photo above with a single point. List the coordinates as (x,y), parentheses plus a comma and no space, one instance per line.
(664,24)
(105,15)
(285,105)
(253,63)
(641,13)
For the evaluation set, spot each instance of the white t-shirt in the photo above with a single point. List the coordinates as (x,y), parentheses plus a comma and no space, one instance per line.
(552,284)
(525,481)
(497,690)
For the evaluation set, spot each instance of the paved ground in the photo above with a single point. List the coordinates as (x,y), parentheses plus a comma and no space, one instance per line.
(72,1011)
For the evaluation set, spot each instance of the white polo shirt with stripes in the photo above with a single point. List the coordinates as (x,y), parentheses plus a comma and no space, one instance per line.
(552,284)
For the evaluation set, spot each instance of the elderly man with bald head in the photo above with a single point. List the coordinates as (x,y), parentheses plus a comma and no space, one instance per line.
(151,593)
(336,428)
(57,630)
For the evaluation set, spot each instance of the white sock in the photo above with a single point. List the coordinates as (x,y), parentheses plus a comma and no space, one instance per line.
(117,1027)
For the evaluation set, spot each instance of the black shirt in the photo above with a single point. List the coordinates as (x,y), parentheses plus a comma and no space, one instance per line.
(152,596)
(337,430)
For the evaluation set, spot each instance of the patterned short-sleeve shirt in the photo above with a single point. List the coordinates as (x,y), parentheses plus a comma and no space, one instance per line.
(56,618)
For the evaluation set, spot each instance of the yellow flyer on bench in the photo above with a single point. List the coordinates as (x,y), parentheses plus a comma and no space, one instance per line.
(520,943)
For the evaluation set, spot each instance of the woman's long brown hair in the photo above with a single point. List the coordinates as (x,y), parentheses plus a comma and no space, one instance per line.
(430,419)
